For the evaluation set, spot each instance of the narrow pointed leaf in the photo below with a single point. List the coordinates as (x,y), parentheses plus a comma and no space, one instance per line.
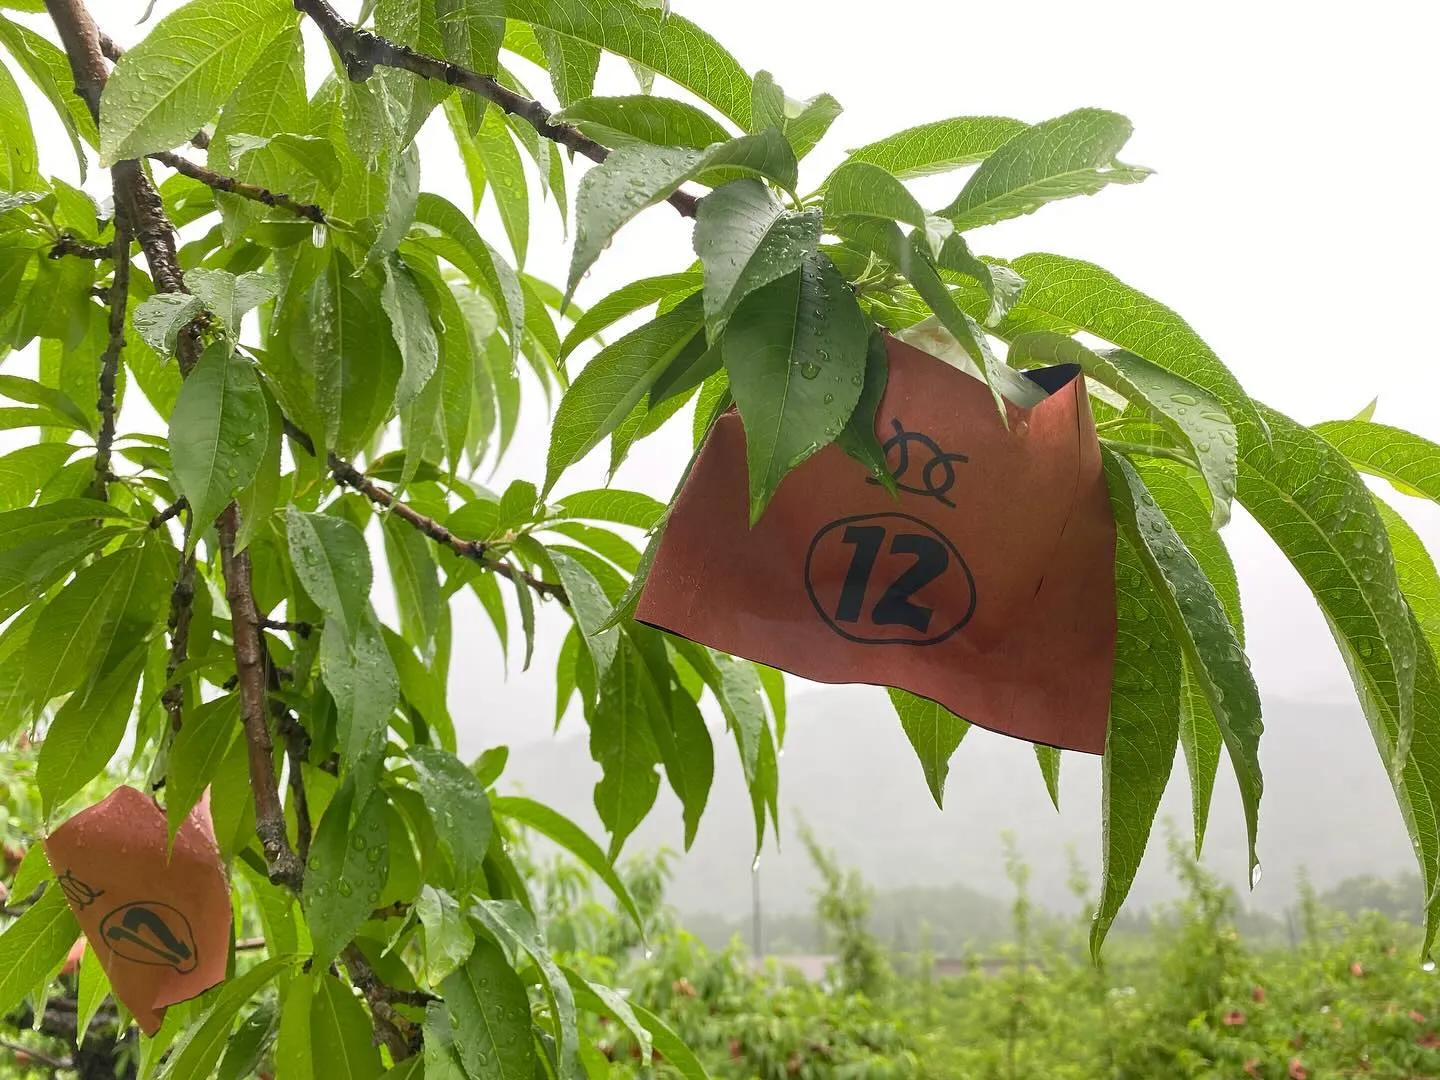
(940,145)
(935,733)
(643,118)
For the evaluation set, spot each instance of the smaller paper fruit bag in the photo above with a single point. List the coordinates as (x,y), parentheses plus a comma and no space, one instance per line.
(987,586)
(159,924)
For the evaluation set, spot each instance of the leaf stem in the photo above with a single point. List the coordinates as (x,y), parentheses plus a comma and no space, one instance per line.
(1150,450)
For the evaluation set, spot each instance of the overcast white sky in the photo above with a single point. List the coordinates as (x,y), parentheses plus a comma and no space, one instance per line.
(1290,219)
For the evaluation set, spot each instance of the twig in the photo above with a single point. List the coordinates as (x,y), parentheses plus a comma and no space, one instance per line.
(110,361)
(169,512)
(392,1029)
(38,1056)
(362,51)
(232,186)
(285,867)
(182,609)
(297,753)
(73,245)
(299,629)
(249,944)
(474,550)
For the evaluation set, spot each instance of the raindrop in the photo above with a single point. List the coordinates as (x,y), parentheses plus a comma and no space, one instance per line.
(1428,965)
(755,866)
(649,952)
(1184,399)
(344,888)
(829,398)
(809,369)
(1255,875)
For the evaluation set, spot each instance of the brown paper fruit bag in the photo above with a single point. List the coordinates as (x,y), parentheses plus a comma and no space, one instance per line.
(160,926)
(987,586)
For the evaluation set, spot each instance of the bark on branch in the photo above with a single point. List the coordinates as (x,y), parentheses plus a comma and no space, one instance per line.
(220,182)
(362,51)
(110,361)
(474,550)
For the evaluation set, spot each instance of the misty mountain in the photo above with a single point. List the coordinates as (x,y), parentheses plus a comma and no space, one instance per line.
(849,773)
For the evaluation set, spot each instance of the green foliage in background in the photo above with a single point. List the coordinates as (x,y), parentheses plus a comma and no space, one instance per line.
(331,355)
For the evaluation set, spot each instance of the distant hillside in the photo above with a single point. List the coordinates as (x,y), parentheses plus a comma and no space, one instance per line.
(849,772)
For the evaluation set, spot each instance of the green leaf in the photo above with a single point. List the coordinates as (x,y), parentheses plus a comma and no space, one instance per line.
(630,179)
(1411,463)
(34,945)
(332,562)
(803,123)
(92,990)
(603,1001)
(612,504)
(640,175)
(349,862)
(1178,493)
(1143,730)
(623,301)
(1195,417)
(745,240)
(506,177)
(340,1032)
(572,65)
(49,69)
(1070,155)
(860,187)
(24,471)
(472,39)
(1212,650)
(939,146)
(859,439)
(1048,758)
(195,756)
(448,937)
(159,319)
(33,393)
(471,255)
(935,733)
(509,922)
(1067,295)
(612,383)
(86,733)
(218,432)
(230,296)
(623,745)
(667,44)
(1001,284)
(95,621)
(555,826)
(671,1047)
(795,352)
(490,1017)
(18,159)
(416,580)
(294,1044)
(458,809)
(196,1054)
(180,73)
(361,678)
(410,326)
(1318,511)
(643,118)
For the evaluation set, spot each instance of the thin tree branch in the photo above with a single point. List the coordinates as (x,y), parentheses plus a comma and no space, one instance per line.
(169,512)
(299,629)
(182,609)
(391,1028)
(39,1057)
(253,192)
(73,245)
(285,867)
(474,550)
(110,361)
(362,51)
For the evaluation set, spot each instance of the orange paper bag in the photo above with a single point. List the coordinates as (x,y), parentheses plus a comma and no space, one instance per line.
(159,926)
(988,586)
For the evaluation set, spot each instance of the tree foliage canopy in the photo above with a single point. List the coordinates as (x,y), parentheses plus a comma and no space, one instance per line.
(332,352)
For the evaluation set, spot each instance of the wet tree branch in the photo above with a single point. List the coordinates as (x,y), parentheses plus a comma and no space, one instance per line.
(110,361)
(182,609)
(362,51)
(391,1028)
(229,184)
(474,550)
(137,200)
(285,867)
(73,245)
